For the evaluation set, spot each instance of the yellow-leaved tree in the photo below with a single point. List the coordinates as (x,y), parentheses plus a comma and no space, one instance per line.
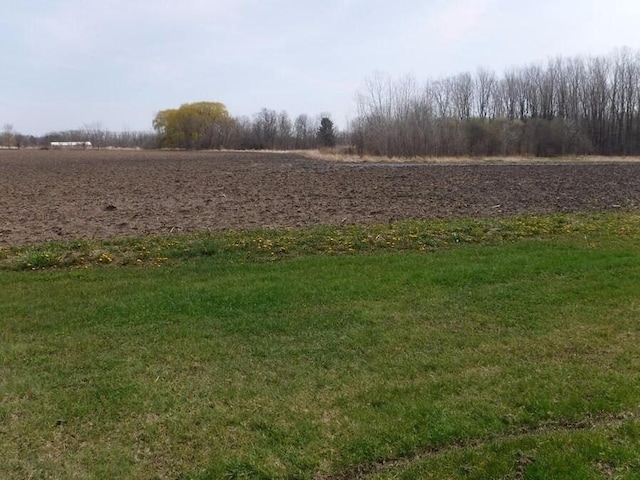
(200,125)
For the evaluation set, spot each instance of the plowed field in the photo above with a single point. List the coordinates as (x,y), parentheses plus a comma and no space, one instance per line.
(64,195)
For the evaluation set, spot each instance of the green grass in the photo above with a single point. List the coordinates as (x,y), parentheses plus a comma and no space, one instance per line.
(500,355)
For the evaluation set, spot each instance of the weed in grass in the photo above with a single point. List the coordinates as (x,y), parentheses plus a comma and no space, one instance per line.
(272,245)
(36,260)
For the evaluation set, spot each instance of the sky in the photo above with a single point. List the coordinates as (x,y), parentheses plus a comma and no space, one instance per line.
(66,64)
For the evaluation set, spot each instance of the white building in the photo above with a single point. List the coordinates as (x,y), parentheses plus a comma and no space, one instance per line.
(71,145)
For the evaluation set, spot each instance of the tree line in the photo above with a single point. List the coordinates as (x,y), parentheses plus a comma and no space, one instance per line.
(201,126)
(94,133)
(570,106)
(208,125)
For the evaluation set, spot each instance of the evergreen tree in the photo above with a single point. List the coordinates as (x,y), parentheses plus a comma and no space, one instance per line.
(326,135)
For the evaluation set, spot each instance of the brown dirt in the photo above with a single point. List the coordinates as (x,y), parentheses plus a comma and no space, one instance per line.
(64,195)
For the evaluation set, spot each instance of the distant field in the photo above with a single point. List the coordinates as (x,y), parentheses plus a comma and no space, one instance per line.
(67,195)
(332,155)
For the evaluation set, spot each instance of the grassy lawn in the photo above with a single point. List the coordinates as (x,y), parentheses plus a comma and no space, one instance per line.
(265,355)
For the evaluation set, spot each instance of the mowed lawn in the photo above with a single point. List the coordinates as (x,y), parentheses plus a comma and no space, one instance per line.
(518,360)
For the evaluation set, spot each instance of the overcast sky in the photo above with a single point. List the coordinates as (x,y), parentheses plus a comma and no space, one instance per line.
(69,63)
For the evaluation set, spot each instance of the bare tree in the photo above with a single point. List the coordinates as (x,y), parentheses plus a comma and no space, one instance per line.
(463,92)
(285,131)
(96,134)
(485,85)
(8,135)
(265,128)
(303,131)
(572,105)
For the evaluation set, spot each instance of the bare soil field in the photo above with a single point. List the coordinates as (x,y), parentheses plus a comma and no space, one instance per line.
(66,195)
